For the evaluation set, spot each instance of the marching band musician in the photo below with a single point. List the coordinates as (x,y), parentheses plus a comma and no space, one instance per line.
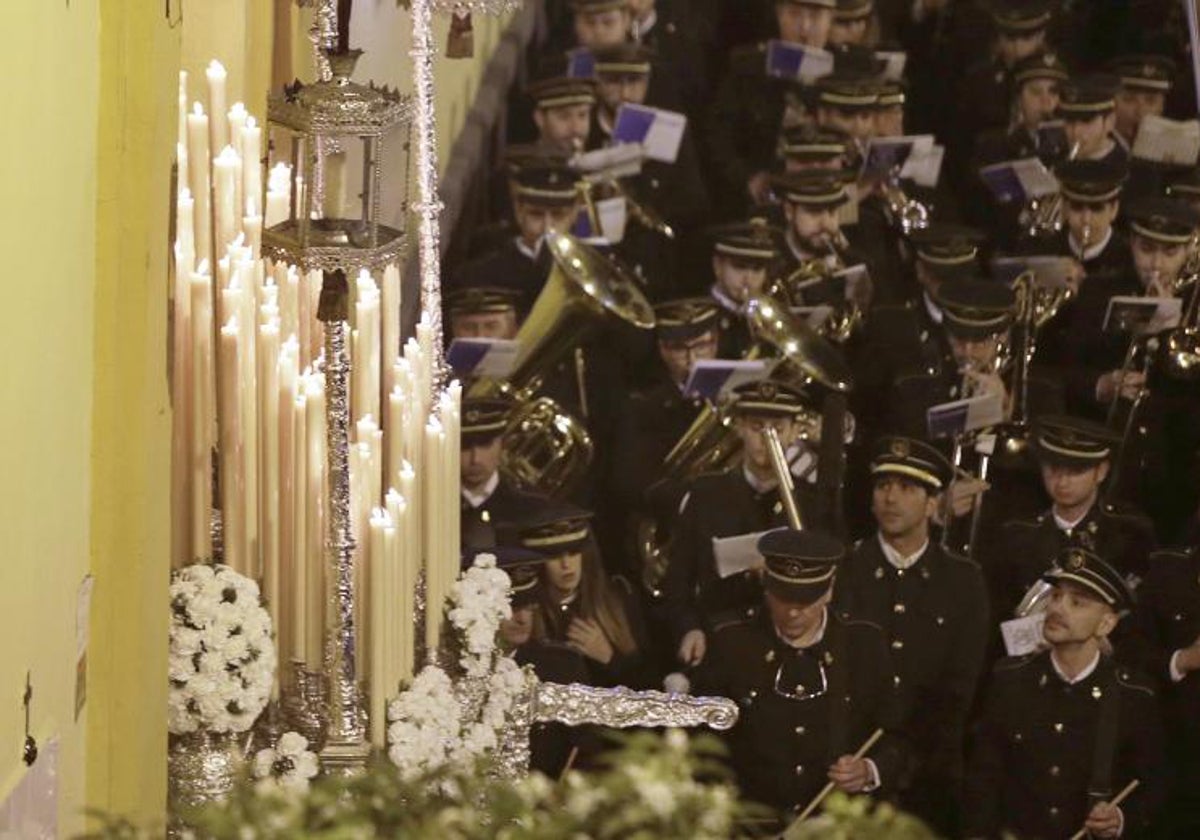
(1160,456)
(1037,81)
(562,107)
(741,501)
(1087,106)
(1074,456)
(933,609)
(1063,730)
(1168,649)
(482,312)
(852,23)
(812,683)
(742,257)
(488,498)
(1145,81)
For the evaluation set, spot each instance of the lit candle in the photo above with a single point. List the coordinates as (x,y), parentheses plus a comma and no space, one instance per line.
(252,225)
(230,446)
(300,523)
(366,360)
(252,165)
(379,524)
(279,185)
(237,117)
(203,406)
(288,374)
(395,436)
(198,180)
(185,233)
(228,220)
(269,448)
(401,594)
(218,131)
(181,411)
(314,649)
(390,325)
(182,138)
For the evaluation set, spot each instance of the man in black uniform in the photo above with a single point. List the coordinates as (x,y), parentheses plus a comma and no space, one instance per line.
(1168,648)
(562,107)
(743,256)
(851,22)
(1075,341)
(748,108)
(1088,108)
(481,312)
(813,684)
(1062,731)
(488,497)
(544,198)
(1074,457)
(1145,82)
(743,501)
(933,608)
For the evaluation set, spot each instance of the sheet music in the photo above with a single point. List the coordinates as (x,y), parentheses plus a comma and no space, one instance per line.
(1167,141)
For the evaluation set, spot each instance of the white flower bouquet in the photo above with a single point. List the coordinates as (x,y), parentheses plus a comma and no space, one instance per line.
(221,658)
(288,767)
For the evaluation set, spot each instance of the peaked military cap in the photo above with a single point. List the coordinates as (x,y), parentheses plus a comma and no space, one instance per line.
(976,309)
(1021,17)
(686,318)
(626,59)
(1090,181)
(848,11)
(820,189)
(810,142)
(890,94)
(1086,569)
(548,182)
(481,300)
(552,86)
(1166,220)
(947,244)
(1040,65)
(1185,185)
(1072,441)
(752,240)
(848,90)
(800,565)
(555,528)
(483,419)
(767,397)
(913,459)
(1144,72)
(1085,97)
(597,6)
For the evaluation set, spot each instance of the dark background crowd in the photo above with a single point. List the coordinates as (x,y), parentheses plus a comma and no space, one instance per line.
(809,538)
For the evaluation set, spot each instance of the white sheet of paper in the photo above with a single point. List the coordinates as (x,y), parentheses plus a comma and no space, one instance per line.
(1049,272)
(981,412)
(924,166)
(893,70)
(613,213)
(611,162)
(1154,314)
(1037,180)
(739,371)
(1023,635)
(665,137)
(735,555)
(1167,141)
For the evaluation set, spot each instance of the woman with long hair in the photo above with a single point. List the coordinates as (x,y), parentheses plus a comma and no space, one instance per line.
(581,607)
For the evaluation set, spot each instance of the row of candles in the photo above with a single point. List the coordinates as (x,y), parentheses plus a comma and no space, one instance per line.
(248,383)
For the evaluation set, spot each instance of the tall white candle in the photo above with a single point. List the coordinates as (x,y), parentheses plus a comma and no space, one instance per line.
(279,185)
(379,524)
(199,180)
(203,407)
(218,129)
(252,165)
(268,473)
(389,326)
(227,218)
(317,493)
(231,447)
(300,523)
(288,373)
(401,593)
(182,137)
(185,233)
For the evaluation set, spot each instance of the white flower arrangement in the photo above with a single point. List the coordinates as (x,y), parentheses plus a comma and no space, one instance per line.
(288,767)
(221,659)
(432,723)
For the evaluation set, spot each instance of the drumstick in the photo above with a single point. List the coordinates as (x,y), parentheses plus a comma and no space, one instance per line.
(1116,800)
(825,791)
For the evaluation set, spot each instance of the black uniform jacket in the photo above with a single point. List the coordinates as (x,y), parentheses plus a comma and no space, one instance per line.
(782,747)
(508,268)
(1032,757)
(506,504)
(1027,548)
(720,505)
(934,617)
(1168,619)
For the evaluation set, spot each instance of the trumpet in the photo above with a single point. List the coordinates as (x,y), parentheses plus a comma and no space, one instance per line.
(643,214)
(846,315)
(906,213)
(1043,216)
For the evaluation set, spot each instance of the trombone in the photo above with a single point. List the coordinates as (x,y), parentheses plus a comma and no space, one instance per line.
(783,475)
(1043,216)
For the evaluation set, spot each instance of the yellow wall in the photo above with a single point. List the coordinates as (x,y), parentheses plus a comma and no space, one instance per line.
(47,236)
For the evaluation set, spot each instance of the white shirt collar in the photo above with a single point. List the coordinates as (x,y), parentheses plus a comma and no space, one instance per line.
(476,500)
(1091,253)
(725,300)
(935,311)
(1064,525)
(757,484)
(1081,676)
(816,639)
(533,252)
(901,561)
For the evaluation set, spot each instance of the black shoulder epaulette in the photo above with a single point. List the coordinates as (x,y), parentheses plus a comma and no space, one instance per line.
(734,618)
(1128,679)
(1013,663)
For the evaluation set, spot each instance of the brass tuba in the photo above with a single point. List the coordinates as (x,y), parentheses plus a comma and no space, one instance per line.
(546,449)
(710,443)
(1181,349)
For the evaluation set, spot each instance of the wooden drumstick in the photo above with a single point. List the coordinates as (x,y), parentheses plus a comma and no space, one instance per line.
(1116,800)
(828,789)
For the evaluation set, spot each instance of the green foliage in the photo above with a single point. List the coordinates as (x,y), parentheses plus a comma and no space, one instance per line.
(858,818)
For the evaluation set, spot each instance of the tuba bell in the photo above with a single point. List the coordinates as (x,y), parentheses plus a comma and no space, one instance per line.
(1181,348)
(546,449)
